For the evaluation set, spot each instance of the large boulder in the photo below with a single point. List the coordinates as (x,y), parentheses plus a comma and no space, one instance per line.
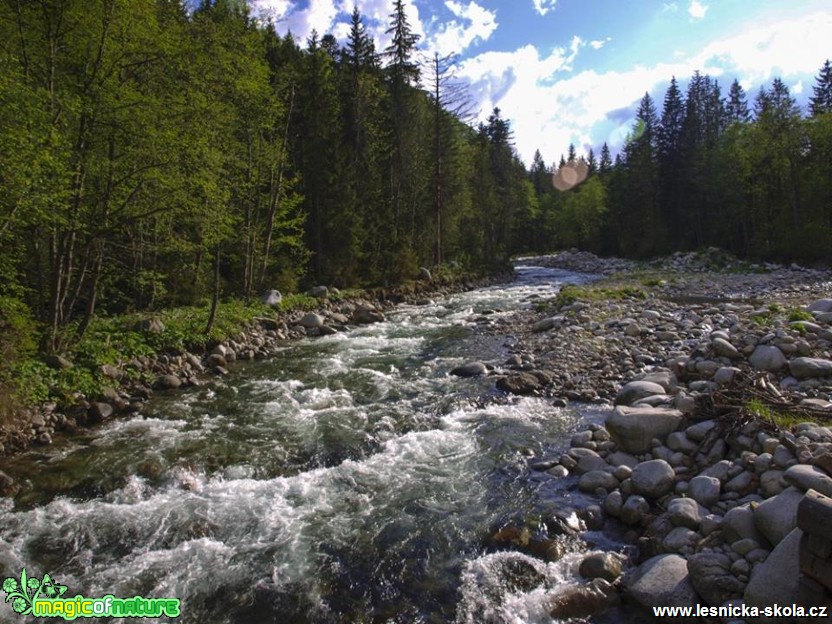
(635,390)
(271,298)
(576,602)
(805,477)
(821,305)
(738,524)
(775,581)
(312,321)
(633,428)
(662,581)
(775,517)
(711,577)
(364,315)
(603,565)
(653,479)
(767,358)
(805,367)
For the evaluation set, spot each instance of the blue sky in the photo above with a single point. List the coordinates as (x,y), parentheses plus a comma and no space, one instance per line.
(574,70)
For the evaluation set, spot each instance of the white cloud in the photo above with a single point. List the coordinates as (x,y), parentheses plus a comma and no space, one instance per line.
(549,107)
(273,10)
(454,37)
(797,88)
(544,6)
(697,10)
(597,44)
(670,7)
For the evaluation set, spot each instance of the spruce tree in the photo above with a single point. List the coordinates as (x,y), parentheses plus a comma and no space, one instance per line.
(821,102)
(736,108)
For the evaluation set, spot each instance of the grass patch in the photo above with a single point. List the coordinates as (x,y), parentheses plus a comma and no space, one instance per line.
(569,294)
(785,420)
(796,314)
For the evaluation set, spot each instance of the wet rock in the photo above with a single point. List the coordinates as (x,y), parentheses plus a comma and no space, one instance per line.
(600,565)
(470,369)
(597,479)
(168,382)
(634,509)
(711,577)
(366,315)
(633,428)
(583,601)
(99,411)
(806,367)
(653,478)
(519,383)
(8,486)
(311,320)
(662,581)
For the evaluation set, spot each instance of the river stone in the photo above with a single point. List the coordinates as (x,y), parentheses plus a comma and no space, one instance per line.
(665,378)
(662,581)
(724,348)
(771,482)
(588,463)
(725,375)
(319,292)
(578,602)
(603,565)
(710,575)
(168,382)
(633,428)
(635,390)
(99,411)
(821,305)
(767,358)
(775,581)
(8,487)
(805,367)
(470,369)
(311,320)
(544,325)
(271,298)
(805,477)
(634,509)
(595,479)
(686,512)
(519,383)
(680,539)
(777,516)
(653,478)
(364,315)
(704,490)
(738,524)
(698,431)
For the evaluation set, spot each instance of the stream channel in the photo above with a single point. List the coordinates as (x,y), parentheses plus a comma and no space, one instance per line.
(349,478)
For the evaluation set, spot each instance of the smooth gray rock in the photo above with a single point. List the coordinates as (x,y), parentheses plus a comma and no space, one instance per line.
(635,390)
(805,477)
(821,305)
(710,575)
(704,490)
(698,431)
(99,411)
(777,516)
(680,539)
(319,292)
(168,382)
(634,509)
(653,478)
(603,565)
(470,369)
(271,298)
(544,325)
(633,428)
(662,581)
(725,375)
(595,479)
(775,581)
(724,348)
(686,512)
(767,358)
(311,320)
(738,524)
(665,378)
(806,367)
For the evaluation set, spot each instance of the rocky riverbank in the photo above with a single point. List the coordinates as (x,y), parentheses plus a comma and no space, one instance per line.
(721,378)
(135,380)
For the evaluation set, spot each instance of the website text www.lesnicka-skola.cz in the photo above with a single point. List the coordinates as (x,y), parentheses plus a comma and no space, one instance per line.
(743,611)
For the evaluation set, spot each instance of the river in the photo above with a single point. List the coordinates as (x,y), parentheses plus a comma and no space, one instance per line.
(348,479)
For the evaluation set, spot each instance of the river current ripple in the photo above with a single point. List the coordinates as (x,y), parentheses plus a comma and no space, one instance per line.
(348,479)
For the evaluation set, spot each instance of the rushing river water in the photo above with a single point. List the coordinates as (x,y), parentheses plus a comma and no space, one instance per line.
(348,479)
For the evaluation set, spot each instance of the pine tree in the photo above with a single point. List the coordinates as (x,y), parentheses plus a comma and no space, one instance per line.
(821,102)
(591,162)
(359,51)
(401,49)
(736,108)
(605,166)
(669,138)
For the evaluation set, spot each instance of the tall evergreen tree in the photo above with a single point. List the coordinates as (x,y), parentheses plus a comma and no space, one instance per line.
(821,102)
(736,108)
(605,166)
(668,143)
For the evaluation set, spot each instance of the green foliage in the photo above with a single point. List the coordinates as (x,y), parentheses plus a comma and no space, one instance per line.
(796,314)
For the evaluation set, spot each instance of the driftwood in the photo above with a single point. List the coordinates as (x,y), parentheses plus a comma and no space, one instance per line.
(742,400)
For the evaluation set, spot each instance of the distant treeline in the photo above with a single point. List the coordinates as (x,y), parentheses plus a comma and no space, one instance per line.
(155,156)
(708,171)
